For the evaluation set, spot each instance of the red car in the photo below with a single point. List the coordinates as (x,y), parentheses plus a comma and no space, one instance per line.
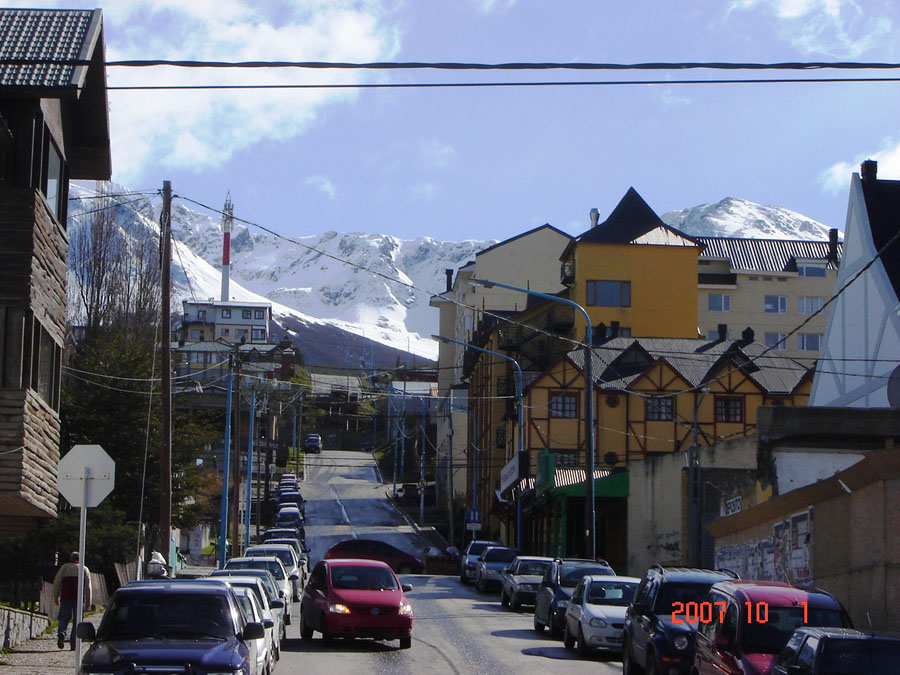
(356,598)
(372,549)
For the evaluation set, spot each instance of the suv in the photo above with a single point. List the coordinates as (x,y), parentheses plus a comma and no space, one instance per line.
(655,639)
(556,587)
(172,626)
(312,443)
(744,624)
(817,651)
(468,559)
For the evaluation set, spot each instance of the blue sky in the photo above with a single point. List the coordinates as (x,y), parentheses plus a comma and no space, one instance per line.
(492,162)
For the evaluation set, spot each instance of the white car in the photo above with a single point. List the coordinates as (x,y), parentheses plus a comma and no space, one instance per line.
(265,647)
(274,566)
(273,611)
(595,618)
(274,599)
(288,557)
(468,559)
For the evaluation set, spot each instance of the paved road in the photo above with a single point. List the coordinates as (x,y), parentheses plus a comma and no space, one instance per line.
(457,630)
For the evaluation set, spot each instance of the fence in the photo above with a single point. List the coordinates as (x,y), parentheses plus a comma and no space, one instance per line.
(99,595)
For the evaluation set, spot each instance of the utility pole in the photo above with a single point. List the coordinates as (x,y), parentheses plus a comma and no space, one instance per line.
(165,453)
(236,459)
(249,501)
(223,513)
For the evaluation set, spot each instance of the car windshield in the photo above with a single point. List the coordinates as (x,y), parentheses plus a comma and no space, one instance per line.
(848,657)
(618,593)
(478,549)
(501,555)
(532,567)
(572,575)
(363,578)
(254,588)
(272,565)
(283,555)
(681,593)
(771,636)
(138,616)
(246,607)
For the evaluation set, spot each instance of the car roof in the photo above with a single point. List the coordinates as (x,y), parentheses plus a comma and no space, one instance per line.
(693,574)
(775,593)
(844,633)
(173,586)
(364,562)
(534,558)
(610,577)
(254,558)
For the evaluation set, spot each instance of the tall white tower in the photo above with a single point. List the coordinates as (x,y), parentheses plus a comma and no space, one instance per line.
(227,223)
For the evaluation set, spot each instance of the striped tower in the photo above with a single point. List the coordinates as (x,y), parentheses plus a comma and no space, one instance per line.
(227,223)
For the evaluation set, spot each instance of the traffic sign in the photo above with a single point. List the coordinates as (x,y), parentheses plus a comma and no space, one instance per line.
(86,475)
(474,527)
(473,516)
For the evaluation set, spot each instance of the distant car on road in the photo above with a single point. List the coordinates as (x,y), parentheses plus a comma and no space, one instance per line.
(276,569)
(470,557)
(356,599)
(372,549)
(312,443)
(595,617)
(490,566)
(519,582)
(288,557)
(556,588)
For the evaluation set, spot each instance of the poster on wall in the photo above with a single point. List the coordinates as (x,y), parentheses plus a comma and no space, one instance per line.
(801,542)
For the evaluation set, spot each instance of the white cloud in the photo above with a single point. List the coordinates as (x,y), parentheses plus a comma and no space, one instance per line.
(199,130)
(323,184)
(436,153)
(489,6)
(837,177)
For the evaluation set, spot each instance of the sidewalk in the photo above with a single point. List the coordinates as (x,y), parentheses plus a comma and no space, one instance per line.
(41,655)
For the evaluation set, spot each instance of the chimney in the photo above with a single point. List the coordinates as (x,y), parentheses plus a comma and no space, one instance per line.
(595,217)
(613,329)
(832,245)
(449,273)
(227,222)
(747,336)
(723,331)
(868,170)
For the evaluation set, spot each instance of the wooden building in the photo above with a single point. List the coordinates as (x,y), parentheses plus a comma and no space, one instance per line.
(54,126)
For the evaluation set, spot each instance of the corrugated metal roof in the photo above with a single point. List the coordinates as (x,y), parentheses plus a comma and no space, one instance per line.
(568,476)
(766,255)
(44,34)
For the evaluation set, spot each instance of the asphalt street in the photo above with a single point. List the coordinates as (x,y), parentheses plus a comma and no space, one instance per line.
(457,629)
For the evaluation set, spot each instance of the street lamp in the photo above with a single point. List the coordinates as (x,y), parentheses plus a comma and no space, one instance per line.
(590,532)
(694,553)
(519,388)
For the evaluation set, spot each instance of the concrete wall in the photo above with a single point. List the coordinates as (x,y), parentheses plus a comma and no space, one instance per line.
(657,528)
(17,626)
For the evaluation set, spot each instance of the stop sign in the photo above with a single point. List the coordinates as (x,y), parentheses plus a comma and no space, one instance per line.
(86,475)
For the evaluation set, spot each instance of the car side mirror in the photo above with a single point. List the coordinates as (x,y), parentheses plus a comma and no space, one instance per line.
(509,570)
(253,631)
(294,576)
(406,588)
(86,631)
(268,623)
(276,604)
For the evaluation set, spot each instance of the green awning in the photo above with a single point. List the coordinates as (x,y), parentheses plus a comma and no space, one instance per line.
(614,485)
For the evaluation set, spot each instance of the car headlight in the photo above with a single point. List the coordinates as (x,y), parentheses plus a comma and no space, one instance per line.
(597,623)
(338,608)
(405,609)
(525,587)
(680,642)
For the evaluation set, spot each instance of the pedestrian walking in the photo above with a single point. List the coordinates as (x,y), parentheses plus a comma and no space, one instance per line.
(65,594)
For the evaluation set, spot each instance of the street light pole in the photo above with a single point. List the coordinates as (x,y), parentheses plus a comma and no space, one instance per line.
(590,530)
(520,417)
(694,552)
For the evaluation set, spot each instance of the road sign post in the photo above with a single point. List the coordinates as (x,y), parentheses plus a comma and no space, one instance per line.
(86,475)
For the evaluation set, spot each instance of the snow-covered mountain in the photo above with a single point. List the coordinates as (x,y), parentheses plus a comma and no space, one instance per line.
(373,286)
(739,218)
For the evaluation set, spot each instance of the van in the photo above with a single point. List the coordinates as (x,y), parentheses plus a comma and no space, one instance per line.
(743,625)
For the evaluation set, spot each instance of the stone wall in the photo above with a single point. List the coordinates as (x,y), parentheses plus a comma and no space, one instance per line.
(17,626)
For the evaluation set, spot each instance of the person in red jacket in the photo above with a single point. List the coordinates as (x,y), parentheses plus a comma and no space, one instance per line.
(65,594)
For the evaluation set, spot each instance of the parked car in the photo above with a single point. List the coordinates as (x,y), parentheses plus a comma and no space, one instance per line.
(555,589)
(275,591)
(356,598)
(301,551)
(272,607)
(284,533)
(595,617)
(821,651)
(490,565)
(519,582)
(291,498)
(289,516)
(372,549)
(274,566)
(312,443)
(368,446)
(265,646)
(652,640)
(470,557)
(746,623)
(288,557)
(171,626)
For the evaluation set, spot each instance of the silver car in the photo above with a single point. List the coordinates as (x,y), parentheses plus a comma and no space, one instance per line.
(274,566)
(271,608)
(490,566)
(470,557)
(265,647)
(595,617)
(274,596)
(521,579)
(288,557)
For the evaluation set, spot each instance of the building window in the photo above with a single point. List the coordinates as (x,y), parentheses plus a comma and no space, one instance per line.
(226,332)
(621,331)
(767,278)
(809,304)
(240,332)
(564,405)
(811,270)
(54,189)
(246,314)
(776,304)
(609,293)
(259,314)
(660,409)
(259,334)
(752,278)
(226,313)
(564,457)
(777,341)
(500,438)
(196,334)
(730,409)
(201,314)
(719,302)
(809,342)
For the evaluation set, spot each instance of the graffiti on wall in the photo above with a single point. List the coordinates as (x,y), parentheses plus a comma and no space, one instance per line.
(665,546)
(785,556)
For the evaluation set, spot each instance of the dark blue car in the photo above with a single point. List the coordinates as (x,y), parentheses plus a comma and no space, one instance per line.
(171,626)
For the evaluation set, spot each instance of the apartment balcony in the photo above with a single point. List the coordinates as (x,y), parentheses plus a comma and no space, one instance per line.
(567,273)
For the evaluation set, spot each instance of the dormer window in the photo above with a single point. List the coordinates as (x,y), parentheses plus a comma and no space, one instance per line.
(811,270)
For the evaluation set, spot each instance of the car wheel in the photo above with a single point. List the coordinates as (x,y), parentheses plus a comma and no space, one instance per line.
(306,632)
(583,649)
(628,665)
(463,579)
(538,626)
(404,569)
(650,667)
(327,637)
(287,619)
(503,599)
(514,603)
(405,642)
(568,639)
(480,586)
(555,630)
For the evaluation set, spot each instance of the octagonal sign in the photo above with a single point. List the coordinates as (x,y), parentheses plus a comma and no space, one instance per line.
(86,475)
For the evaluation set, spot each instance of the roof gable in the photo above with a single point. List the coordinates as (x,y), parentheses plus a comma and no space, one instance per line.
(545,226)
